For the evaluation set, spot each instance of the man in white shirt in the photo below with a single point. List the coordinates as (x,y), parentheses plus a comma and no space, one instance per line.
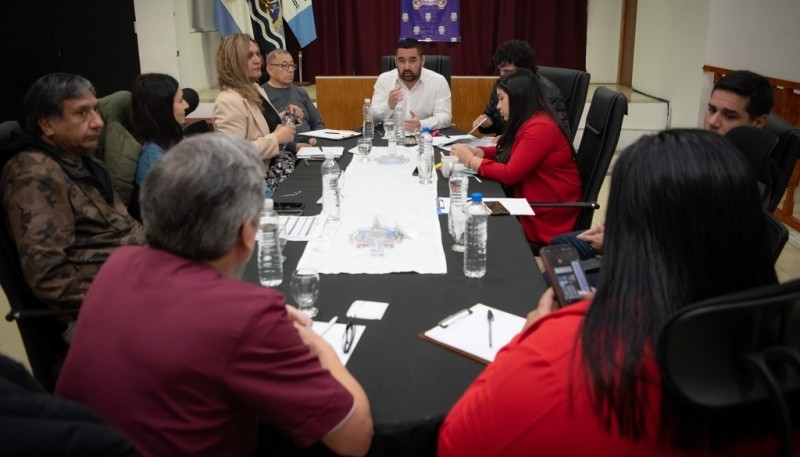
(424,95)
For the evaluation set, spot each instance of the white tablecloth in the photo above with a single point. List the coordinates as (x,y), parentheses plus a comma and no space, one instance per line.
(407,211)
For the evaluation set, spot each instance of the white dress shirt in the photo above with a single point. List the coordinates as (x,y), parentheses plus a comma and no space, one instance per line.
(429,98)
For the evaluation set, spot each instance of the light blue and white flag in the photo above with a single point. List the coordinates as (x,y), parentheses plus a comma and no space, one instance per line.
(260,19)
(299,14)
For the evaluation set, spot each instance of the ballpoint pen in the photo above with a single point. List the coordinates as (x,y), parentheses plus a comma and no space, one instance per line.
(329,326)
(490,319)
(349,335)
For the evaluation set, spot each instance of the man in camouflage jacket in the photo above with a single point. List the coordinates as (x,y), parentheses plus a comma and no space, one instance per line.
(59,205)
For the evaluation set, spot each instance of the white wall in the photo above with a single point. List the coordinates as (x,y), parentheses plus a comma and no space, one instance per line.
(156,34)
(169,44)
(669,55)
(760,36)
(198,49)
(603,40)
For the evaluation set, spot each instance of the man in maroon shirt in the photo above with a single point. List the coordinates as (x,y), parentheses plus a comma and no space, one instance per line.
(185,358)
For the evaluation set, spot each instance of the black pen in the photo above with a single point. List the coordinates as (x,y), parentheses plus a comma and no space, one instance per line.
(490,319)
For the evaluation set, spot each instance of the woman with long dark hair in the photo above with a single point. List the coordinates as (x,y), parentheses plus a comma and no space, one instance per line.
(684,224)
(159,112)
(533,159)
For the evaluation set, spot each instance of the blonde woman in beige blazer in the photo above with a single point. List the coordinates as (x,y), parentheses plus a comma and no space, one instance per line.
(238,107)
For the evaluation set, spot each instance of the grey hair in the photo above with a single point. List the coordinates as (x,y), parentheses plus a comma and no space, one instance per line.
(197,196)
(274,55)
(45,98)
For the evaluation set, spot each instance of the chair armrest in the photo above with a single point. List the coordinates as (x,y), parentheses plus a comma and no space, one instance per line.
(593,205)
(20,314)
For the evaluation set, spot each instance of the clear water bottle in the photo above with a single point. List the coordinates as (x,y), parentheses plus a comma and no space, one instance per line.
(288,119)
(368,129)
(270,261)
(330,187)
(425,157)
(376,238)
(475,238)
(399,123)
(457,216)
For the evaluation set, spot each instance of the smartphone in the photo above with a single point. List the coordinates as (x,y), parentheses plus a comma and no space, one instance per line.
(496,208)
(563,268)
(289,208)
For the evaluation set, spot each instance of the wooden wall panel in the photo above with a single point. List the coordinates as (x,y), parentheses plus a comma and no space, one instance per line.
(339,99)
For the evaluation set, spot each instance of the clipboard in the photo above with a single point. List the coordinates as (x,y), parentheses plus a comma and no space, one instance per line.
(467,332)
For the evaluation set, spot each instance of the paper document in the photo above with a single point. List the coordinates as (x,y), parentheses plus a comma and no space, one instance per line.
(335,337)
(515,206)
(318,152)
(302,228)
(470,331)
(443,140)
(331,134)
(475,142)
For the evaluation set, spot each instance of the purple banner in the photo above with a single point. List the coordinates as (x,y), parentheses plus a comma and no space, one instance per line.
(430,20)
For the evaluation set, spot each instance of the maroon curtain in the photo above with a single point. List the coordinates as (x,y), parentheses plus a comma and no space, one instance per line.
(352,35)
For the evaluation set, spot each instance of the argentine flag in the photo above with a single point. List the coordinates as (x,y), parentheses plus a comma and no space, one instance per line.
(300,17)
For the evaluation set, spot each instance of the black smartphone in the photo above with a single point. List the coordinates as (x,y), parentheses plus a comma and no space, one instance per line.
(496,208)
(563,268)
(289,208)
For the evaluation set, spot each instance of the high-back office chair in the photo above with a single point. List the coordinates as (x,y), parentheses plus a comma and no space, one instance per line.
(438,63)
(39,326)
(758,147)
(117,147)
(739,350)
(786,154)
(600,138)
(574,85)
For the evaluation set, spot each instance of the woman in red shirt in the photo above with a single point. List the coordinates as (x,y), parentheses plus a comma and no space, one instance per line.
(684,224)
(533,158)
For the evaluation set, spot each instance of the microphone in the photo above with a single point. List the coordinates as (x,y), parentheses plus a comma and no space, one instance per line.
(191,97)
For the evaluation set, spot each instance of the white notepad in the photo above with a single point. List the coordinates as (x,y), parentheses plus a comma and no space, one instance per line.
(467,332)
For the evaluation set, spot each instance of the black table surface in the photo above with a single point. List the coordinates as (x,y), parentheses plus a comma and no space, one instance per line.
(411,383)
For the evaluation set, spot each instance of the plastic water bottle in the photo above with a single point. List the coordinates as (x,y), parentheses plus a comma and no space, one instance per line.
(399,123)
(457,216)
(425,157)
(288,119)
(368,129)
(475,252)
(330,187)
(270,260)
(376,238)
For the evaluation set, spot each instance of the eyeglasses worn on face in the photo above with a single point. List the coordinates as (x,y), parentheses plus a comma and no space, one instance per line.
(285,66)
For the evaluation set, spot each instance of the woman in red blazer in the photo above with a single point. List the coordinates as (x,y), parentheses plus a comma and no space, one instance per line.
(533,157)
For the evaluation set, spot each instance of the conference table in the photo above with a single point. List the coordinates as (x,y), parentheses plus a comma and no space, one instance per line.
(411,383)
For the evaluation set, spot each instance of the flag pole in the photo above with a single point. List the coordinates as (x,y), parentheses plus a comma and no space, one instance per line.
(300,67)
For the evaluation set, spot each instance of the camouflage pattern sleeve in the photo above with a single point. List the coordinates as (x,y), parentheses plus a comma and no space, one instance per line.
(40,218)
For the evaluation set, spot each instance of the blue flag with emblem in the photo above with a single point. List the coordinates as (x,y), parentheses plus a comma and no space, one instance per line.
(299,14)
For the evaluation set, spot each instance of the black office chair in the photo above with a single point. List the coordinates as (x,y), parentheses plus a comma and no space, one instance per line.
(39,326)
(739,350)
(438,63)
(758,147)
(196,128)
(600,137)
(786,154)
(777,235)
(574,85)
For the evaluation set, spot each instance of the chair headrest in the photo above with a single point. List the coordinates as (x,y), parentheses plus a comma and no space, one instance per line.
(192,99)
